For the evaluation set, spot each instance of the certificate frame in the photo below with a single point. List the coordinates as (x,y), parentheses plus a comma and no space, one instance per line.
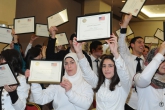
(31,78)
(11,73)
(56,14)
(36,29)
(65,36)
(99,15)
(151,38)
(130,12)
(128,28)
(10,33)
(159,37)
(25,18)
(4,48)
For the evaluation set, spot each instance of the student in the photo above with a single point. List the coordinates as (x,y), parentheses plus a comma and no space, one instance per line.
(14,97)
(134,60)
(113,83)
(150,83)
(145,51)
(74,93)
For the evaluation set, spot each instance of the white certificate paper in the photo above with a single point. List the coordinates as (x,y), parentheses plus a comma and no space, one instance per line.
(5,35)
(6,76)
(94,27)
(42,30)
(152,40)
(129,31)
(61,39)
(45,71)
(24,25)
(58,18)
(133,7)
(159,34)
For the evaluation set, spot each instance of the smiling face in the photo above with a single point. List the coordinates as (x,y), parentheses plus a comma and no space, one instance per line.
(138,46)
(70,66)
(108,68)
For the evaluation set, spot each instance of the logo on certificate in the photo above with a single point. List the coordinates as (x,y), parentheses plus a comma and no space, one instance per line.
(136,10)
(18,21)
(84,20)
(29,20)
(37,63)
(8,31)
(2,68)
(53,64)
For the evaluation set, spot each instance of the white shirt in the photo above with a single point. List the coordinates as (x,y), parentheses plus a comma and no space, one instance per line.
(80,99)
(149,97)
(22,91)
(94,64)
(131,65)
(105,98)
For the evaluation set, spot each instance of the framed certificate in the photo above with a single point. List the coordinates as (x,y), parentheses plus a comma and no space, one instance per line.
(45,71)
(42,30)
(10,26)
(129,31)
(7,76)
(61,39)
(24,25)
(159,34)
(5,35)
(153,40)
(95,26)
(58,18)
(133,7)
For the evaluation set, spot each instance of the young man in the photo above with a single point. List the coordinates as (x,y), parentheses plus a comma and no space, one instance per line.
(134,61)
(51,55)
(96,51)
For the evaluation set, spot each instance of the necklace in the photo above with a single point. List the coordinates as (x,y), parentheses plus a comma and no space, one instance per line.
(161,103)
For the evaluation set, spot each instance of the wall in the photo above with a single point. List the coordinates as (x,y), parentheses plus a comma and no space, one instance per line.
(41,9)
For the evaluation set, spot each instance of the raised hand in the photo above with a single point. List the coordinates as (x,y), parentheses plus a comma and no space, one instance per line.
(77,46)
(112,42)
(53,31)
(126,19)
(33,38)
(66,84)
(10,88)
(162,48)
(27,73)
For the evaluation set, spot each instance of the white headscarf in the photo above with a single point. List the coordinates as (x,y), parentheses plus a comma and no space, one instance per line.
(77,78)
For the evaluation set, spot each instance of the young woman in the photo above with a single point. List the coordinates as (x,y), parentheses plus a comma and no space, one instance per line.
(113,82)
(74,93)
(151,82)
(14,97)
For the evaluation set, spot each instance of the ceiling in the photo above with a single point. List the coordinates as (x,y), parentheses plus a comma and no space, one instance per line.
(155,7)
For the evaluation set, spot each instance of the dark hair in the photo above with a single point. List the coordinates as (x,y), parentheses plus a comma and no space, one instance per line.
(31,54)
(147,47)
(14,58)
(72,36)
(114,80)
(94,45)
(38,46)
(133,40)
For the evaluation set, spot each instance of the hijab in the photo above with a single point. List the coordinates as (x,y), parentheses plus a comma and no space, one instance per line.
(77,78)
(158,80)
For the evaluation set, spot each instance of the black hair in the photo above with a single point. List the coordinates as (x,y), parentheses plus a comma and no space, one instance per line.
(31,54)
(94,45)
(147,47)
(114,80)
(133,40)
(38,46)
(72,36)
(14,59)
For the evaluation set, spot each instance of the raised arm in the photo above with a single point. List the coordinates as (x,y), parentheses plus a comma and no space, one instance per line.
(144,79)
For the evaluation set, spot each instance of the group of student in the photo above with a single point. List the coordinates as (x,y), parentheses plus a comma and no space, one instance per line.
(122,80)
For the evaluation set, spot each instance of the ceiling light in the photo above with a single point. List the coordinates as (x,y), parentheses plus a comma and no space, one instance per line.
(123,1)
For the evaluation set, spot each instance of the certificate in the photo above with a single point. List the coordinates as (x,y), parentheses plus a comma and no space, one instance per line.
(153,40)
(129,31)
(61,39)
(7,77)
(45,71)
(159,34)
(24,25)
(5,35)
(133,7)
(91,27)
(42,30)
(58,18)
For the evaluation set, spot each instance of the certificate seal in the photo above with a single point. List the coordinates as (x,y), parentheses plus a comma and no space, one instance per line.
(84,20)
(37,63)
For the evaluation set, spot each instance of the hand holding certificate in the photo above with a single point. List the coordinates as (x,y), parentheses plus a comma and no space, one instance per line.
(90,27)
(61,39)
(24,25)
(5,35)
(58,19)
(45,71)
(7,77)
(133,6)
(42,30)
